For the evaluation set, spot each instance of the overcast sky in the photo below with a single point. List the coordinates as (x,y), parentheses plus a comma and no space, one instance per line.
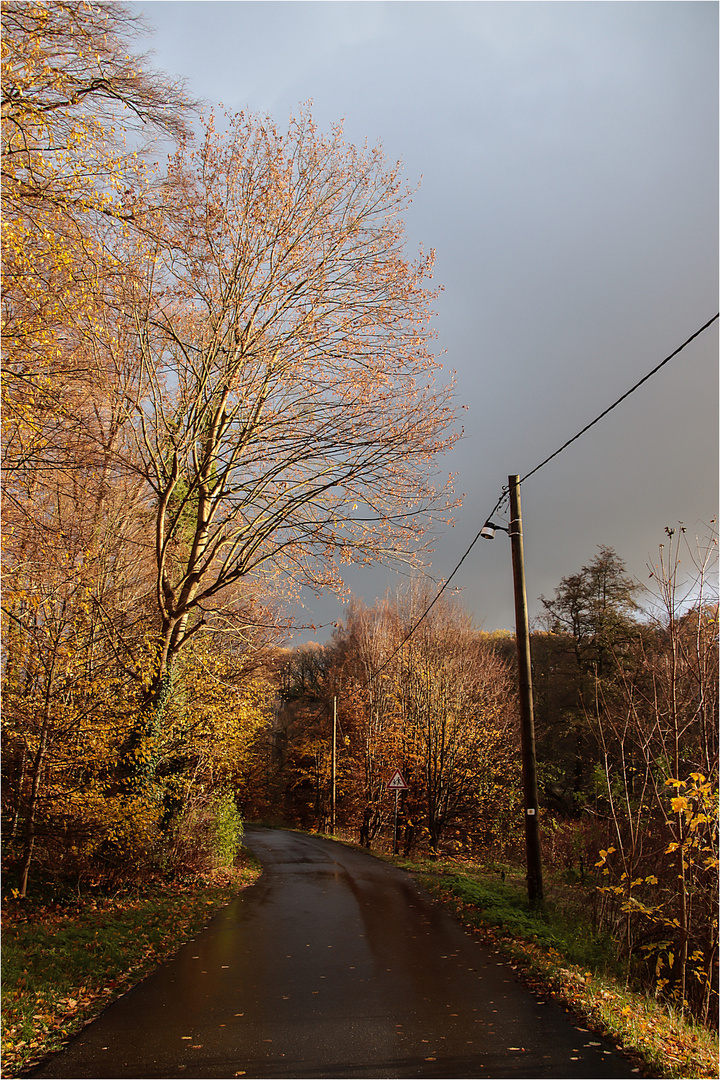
(568,155)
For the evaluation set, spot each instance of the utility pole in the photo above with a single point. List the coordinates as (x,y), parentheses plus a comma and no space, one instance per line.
(527,722)
(333,767)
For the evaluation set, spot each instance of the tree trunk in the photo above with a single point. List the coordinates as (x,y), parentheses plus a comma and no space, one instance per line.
(32,805)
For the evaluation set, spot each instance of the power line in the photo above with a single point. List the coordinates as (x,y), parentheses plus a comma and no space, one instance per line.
(504,493)
(437,596)
(625,395)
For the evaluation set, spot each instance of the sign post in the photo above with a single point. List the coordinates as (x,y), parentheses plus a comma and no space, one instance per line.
(396,784)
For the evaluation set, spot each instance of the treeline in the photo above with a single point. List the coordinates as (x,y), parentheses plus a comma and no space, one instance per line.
(440,707)
(627,745)
(217,384)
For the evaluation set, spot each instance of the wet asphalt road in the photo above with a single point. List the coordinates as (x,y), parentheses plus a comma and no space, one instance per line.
(334,965)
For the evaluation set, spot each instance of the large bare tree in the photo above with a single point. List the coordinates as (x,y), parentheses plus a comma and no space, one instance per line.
(289,415)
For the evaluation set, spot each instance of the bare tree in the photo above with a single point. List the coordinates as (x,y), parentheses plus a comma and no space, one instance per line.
(288,415)
(659,738)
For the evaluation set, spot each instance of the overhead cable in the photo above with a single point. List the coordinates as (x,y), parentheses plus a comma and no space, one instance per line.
(625,395)
(437,596)
(504,493)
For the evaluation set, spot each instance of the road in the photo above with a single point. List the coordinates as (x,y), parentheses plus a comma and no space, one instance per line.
(334,964)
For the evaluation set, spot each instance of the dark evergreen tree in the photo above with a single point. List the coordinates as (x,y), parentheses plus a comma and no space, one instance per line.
(589,628)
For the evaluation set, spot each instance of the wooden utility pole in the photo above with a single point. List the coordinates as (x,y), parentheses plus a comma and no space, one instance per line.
(527,722)
(333,767)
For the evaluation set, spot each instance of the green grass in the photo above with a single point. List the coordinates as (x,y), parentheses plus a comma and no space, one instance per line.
(63,963)
(556,950)
(561,926)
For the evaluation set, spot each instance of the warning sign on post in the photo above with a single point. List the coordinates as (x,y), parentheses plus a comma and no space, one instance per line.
(397,782)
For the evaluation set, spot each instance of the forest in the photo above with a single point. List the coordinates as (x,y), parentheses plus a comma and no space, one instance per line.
(218,386)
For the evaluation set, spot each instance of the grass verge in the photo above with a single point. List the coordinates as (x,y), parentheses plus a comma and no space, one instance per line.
(63,964)
(557,952)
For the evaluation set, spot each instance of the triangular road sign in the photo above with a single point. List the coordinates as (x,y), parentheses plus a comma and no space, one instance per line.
(397,783)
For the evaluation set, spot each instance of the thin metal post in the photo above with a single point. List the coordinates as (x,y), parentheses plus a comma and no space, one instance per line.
(527,722)
(333,769)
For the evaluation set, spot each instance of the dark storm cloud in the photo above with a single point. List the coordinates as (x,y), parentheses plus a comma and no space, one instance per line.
(568,154)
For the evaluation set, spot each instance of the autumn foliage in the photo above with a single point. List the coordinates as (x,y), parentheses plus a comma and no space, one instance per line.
(217,384)
(439,707)
(628,701)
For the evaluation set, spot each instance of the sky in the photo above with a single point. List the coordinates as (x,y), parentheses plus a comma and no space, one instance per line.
(567,159)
